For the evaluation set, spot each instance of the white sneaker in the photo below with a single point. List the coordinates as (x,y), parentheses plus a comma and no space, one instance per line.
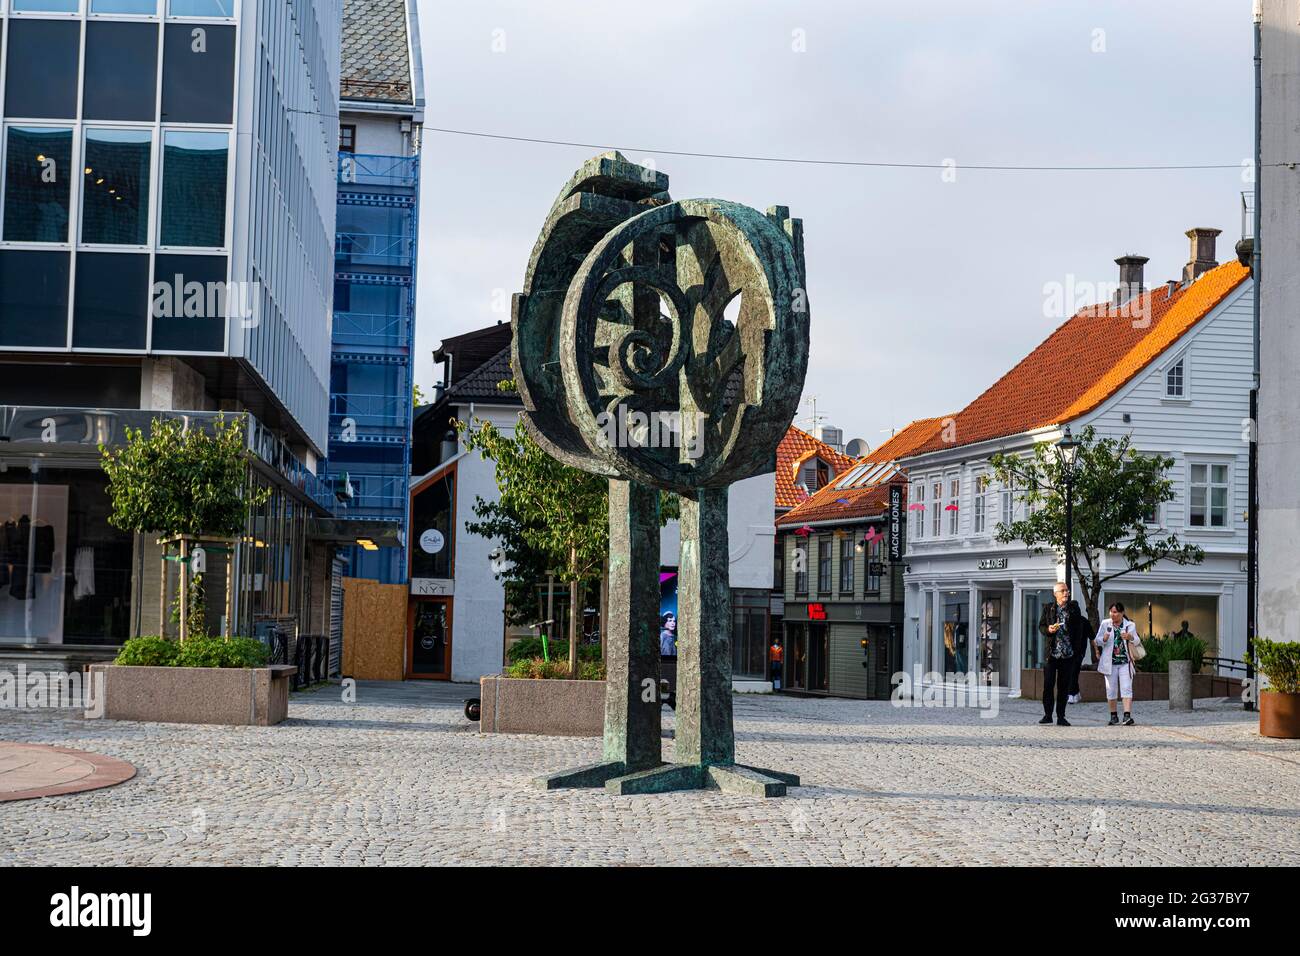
(1073,698)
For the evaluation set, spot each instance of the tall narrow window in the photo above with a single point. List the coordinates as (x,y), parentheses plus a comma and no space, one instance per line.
(953,506)
(824,559)
(874,550)
(347,138)
(38,171)
(1175,384)
(115,191)
(194,188)
(936,509)
(800,565)
(1208,495)
(916,517)
(846,565)
(978,505)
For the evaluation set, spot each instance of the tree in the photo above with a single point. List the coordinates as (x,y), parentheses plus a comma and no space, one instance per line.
(1115,491)
(550,517)
(181,481)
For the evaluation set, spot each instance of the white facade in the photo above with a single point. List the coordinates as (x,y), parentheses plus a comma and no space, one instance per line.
(961,575)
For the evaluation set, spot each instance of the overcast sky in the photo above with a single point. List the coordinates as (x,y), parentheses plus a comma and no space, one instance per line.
(922,292)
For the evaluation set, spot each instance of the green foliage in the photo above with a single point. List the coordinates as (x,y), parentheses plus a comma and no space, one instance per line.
(180,480)
(150,651)
(1172,647)
(197,651)
(1279,661)
(196,620)
(1114,487)
(529,647)
(534,668)
(549,517)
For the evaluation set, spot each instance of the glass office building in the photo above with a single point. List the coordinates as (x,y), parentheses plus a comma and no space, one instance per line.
(167,191)
(376,226)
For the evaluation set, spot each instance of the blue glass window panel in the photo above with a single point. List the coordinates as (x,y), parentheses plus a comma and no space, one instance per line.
(124,6)
(47,6)
(198,73)
(38,174)
(178,332)
(33,298)
(115,194)
(194,188)
(121,71)
(111,306)
(201,8)
(41,70)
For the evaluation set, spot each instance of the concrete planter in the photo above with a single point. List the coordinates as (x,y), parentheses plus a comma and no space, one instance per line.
(1279,715)
(562,708)
(1092,686)
(192,695)
(1180,685)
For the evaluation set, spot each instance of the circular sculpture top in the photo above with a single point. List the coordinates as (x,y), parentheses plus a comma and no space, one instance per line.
(664,342)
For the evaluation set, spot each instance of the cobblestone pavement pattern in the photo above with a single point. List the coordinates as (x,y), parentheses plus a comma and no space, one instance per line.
(400,777)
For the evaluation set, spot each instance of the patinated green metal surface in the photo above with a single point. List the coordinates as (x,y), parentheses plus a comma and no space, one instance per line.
(634,363)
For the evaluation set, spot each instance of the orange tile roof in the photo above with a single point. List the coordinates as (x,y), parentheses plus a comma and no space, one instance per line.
(830,503)
(1086,360)
(797,447)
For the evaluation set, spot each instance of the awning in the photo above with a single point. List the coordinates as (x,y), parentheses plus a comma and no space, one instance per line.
(349,531)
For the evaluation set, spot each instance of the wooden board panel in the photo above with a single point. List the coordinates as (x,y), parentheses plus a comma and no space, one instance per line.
(374,630)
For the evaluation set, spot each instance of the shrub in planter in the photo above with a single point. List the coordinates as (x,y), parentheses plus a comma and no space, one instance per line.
(535,668)
(1172,647)
(1279,706)
(197,651)
(530,647)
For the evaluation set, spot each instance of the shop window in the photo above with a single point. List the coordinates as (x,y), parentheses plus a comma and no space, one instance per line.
(431,531)
(121,71)
(38,171)
(194,189)
(110,309)
(198,73)
(1207,495)
(41,68)
(190,300)
(33,298)
(115,191)
(1162,614)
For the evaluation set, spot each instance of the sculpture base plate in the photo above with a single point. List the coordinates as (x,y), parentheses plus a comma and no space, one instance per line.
(669,777)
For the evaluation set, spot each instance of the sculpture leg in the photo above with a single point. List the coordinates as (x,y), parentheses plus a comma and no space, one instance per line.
(704,732)
(633,736)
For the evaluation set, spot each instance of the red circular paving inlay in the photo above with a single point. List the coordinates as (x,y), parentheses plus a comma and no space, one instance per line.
(37,770)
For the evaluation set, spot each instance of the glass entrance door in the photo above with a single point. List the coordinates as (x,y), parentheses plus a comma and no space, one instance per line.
(429,650)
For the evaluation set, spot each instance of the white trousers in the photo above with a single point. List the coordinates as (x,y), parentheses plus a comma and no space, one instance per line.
(1119,682)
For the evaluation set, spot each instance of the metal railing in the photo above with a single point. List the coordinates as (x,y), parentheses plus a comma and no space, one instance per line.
(374,249)
(364,169)
(372,329)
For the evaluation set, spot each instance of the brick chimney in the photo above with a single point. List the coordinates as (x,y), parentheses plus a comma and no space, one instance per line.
(1130,276)
(1202,254)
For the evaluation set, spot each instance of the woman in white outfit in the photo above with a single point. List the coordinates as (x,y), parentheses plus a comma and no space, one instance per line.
(1115,640)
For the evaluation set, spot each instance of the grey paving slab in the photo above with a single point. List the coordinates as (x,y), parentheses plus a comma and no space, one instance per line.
(400,777)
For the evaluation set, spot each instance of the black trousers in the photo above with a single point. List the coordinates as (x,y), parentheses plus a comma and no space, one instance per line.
(1080,652)
(1056,684)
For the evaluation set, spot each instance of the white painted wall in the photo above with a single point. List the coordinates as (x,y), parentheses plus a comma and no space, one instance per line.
(750,507)
(1208,426)
(1279,229)
(377,135)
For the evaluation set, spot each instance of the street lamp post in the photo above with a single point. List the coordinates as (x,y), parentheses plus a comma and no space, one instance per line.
(1067,450)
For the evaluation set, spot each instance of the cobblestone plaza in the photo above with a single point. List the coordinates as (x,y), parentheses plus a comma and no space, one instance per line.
(400,777)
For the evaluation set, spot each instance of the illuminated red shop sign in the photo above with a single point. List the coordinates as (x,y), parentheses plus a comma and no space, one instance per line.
(816,612)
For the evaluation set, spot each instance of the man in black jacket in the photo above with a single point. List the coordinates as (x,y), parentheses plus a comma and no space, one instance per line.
(1062,626)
